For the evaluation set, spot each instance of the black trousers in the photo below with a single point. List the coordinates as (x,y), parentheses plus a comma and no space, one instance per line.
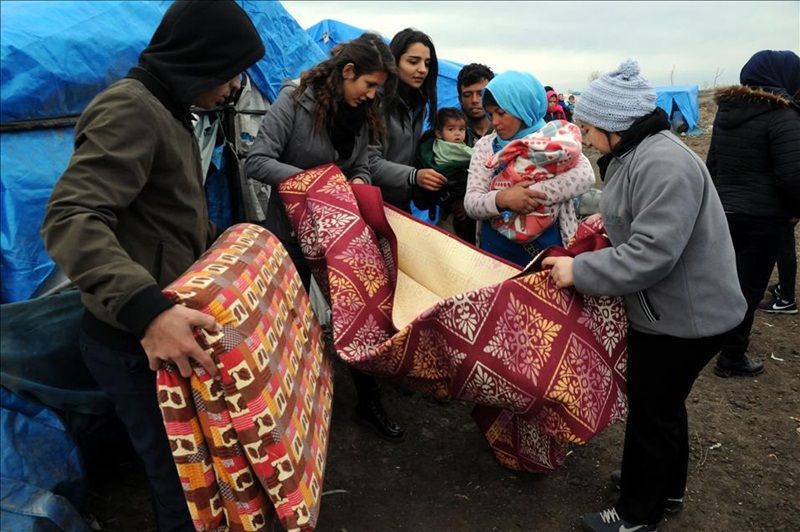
(367,387)
(655,458)
(131,385)
(787,262)
(755,240)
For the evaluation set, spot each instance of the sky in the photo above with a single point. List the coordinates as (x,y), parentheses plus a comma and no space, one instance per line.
(563,43)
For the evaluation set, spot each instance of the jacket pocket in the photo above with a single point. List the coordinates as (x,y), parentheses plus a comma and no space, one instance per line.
(649,311)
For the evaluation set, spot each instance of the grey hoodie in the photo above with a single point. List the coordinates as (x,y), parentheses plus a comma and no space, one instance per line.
(672,257)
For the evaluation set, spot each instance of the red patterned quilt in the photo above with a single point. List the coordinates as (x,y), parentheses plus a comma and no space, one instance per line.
(544,366)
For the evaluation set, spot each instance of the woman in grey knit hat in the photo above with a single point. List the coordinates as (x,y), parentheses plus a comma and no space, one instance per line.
(673,261)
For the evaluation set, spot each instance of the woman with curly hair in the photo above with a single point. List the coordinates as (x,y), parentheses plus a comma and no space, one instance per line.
(326,117)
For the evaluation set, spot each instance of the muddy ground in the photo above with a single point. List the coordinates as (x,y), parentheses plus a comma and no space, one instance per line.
(744,471)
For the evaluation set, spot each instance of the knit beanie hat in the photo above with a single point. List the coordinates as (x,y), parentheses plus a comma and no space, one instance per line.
(616,99)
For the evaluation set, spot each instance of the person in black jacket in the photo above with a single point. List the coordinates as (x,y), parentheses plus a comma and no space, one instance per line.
(755,163)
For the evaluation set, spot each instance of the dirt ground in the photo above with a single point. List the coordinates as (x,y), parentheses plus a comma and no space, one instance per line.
(744,471)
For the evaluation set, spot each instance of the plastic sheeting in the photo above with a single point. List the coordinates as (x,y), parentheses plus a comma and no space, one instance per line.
(685,97)
(54,58)
(42,478)
(40,356)
(328,33)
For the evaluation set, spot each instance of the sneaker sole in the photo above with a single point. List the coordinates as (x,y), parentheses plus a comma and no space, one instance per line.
(725,373)
(777,311)
(672,510)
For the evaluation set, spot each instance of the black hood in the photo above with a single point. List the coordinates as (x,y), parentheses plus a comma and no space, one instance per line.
(199,45)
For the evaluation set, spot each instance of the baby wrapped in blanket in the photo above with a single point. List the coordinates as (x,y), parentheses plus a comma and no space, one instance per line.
(544,154)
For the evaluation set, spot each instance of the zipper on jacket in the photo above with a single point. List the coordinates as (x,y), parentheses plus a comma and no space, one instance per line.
(649,311)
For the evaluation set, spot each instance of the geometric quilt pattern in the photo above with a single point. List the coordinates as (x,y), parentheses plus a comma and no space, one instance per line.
(250,448)
(541,364)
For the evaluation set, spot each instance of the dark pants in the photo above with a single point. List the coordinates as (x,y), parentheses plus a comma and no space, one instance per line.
(465,229)
(131,385)
(755,240)
(787,262)
(655,459)
(367,387)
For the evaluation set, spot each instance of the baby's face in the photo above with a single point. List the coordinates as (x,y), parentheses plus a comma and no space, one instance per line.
(453,131)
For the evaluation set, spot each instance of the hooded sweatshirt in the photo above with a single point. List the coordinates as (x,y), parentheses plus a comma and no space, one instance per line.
(128,216)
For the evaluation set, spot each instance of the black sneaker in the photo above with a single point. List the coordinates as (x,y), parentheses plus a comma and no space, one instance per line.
(610,521)
(744,367)
(671,507)
(778,306)
(775,290)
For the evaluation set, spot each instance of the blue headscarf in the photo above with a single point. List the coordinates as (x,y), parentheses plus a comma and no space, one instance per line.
(523,97)
(772,68)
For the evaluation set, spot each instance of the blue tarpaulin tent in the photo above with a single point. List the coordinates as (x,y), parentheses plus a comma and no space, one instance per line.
(55,57)
(683,99)
(328,33)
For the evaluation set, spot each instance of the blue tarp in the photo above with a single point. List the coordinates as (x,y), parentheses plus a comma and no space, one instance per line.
(40,356)
(41,474)
(328,33)
(687,102)
(54,58)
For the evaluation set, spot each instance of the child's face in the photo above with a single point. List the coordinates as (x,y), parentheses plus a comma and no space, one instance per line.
(572,99)
(453,130)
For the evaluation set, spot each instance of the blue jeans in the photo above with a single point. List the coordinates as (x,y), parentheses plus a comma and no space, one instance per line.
(131,385)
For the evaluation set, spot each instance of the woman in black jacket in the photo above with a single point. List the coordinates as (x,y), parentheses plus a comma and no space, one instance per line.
(755,163)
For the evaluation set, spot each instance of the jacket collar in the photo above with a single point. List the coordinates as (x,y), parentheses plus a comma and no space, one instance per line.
(764,95)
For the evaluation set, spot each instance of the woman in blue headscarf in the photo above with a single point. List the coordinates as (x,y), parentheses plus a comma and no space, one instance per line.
(516,103)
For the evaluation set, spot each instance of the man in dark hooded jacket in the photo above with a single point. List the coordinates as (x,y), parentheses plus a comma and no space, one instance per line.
(128,216)
(754,161)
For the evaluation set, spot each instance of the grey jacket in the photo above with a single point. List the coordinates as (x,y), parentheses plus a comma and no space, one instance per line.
(392,159)
(287,143)
(672,256)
